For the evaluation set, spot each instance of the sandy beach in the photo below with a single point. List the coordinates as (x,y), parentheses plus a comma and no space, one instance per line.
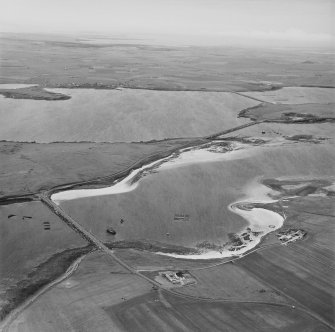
(184,158)
(16,86)
(260,221)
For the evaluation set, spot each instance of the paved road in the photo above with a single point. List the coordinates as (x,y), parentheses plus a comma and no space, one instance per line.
(227,131)
(16,312)
(89,236)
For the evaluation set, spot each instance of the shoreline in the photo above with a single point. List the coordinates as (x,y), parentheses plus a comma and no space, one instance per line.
(40,279)
(244,240)
(204,152)
(14,314)
(261,222)
(122,86)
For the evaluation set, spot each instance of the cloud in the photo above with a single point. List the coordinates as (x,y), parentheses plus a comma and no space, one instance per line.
(293,35)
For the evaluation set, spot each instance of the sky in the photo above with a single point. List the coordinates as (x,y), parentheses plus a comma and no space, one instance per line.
(277,22)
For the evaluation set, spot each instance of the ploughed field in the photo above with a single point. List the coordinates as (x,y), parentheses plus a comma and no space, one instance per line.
(303,270)
(101,296)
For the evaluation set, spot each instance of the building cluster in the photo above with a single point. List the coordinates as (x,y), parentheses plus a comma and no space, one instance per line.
(174,277)
(291,235)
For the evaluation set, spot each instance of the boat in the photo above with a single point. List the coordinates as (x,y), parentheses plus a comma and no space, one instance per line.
(111,230)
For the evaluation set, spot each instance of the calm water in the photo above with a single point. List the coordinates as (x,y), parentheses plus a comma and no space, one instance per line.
(149,210)
(120,115)
(203,191)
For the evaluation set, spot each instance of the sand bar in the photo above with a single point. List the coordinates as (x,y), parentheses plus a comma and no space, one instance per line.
(184,158)
(16,86)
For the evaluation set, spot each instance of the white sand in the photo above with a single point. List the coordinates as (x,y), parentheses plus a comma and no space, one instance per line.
(259,219)
(195,156)
(122,186)
(258,193)
(125,185)
(16,86)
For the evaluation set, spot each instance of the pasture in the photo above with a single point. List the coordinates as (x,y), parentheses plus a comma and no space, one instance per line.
(36,247)
(274,112)
(77,303)
(231,282)
(40,59)
(31,233)
(28,167)
(296,95)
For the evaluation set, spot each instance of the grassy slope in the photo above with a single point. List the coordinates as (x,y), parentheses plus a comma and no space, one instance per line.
(34,92)
(28,168)
(39,277)
(25,243)
(265,111)
(31,255)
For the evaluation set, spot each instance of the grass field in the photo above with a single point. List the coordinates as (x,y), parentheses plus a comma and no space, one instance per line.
(281,112)
(26,242)
(77,303)
(279,130)
(102,297)
(175,314)
(27,168)
(296,95)
(34,92)
(230,282)
(35,248)
(40,59)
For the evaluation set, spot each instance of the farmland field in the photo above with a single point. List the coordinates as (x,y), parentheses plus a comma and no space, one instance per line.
(85,114)
(303,271)
(102,296)
(185,315)
(27,168)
